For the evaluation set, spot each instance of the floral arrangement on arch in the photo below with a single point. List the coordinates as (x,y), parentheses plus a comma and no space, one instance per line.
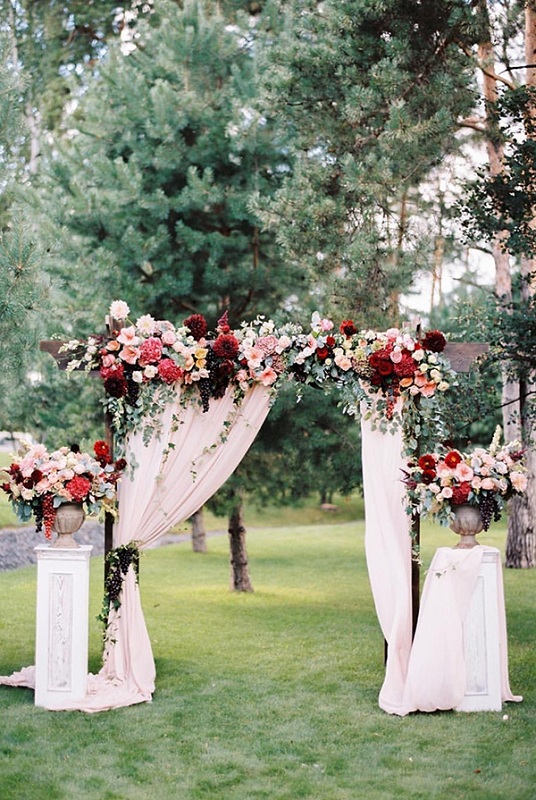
(487,478)
(38,482)
(370,364)
(139,357)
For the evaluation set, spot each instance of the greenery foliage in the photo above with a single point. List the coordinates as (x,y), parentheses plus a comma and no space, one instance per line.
(372,92)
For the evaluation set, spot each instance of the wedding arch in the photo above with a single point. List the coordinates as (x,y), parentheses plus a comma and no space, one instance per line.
(185,408)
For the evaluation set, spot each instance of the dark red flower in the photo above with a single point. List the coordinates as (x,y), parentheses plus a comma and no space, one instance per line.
(460,493)
(100,448)
(322,353)
(428,476)
(78,488)
(37,475)
(6,487)
(427,461)
(120,464)
(385,367)
(115,385)
(197,325)
(452,459)
(405,367)
(330,341)
(169,371)
(116,370)
(348,328)
(434,341)
(226,346)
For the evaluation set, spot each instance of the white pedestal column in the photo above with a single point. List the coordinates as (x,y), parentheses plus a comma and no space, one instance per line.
(62,624)
(481,641)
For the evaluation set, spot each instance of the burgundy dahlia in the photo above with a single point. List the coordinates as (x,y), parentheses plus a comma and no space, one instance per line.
(115,385)
(434,341)
(197,325)
(226,346)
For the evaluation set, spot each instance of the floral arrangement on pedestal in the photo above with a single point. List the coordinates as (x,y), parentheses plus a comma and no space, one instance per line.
(38,482)
(138,358)
(487,478)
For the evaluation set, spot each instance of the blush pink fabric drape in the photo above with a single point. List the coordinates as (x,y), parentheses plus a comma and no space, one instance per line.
(429,674)
(177,472)
(436,677)
(388,554)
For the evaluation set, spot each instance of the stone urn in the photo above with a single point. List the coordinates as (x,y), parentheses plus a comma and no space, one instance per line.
(68,519)
(467,523)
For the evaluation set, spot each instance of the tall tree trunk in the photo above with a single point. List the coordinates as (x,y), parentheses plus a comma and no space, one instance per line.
(199,534)
(240,581)
(521,541)
(517,424)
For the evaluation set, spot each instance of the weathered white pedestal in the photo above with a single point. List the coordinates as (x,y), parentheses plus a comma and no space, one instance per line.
(481,641)
(61,650)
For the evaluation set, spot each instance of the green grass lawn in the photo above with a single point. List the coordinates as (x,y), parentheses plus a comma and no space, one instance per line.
(268,696)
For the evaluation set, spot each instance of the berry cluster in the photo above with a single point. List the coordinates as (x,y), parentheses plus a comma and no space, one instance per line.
(118,562)
(489,510)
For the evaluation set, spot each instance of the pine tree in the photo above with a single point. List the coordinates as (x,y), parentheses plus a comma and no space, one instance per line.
(150,194)
(373,92)
(22,287)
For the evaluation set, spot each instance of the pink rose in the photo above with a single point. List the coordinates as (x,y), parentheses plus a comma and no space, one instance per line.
(169,337)
(108,360)
(488,484)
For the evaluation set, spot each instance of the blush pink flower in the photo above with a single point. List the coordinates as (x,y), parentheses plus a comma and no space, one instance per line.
(108,360)
(128,336)
(129,354)
(519,481)
(119,310)
(464,472)
(169,337)
(268,376)
(488,484)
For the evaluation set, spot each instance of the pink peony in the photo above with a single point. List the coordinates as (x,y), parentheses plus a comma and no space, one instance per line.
(169,371)
(150,351)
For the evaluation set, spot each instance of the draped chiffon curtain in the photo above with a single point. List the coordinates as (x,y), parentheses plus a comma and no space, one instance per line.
(388,554)
(177,472)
